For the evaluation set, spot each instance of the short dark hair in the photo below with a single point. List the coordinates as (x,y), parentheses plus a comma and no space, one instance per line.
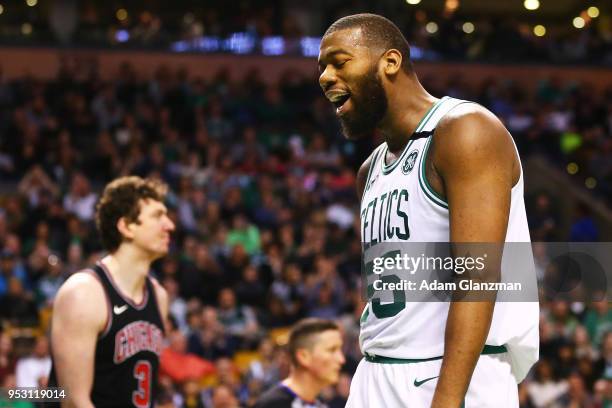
(379,32)
(121,198)
(301,335)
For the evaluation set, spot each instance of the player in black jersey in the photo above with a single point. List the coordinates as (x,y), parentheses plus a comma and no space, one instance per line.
(108,321)
(315,349)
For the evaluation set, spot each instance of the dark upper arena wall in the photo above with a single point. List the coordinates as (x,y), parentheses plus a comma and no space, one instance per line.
(44,63)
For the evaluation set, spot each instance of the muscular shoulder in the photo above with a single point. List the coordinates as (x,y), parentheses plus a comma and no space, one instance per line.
(470,134)
(82,297)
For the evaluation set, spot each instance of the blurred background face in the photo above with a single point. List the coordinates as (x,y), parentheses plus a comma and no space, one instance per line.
(326,357)
(227,299)
(41,349)
(223,397)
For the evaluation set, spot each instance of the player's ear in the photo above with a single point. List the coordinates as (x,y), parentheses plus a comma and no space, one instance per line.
(303,357)
(124,228)
(391,62)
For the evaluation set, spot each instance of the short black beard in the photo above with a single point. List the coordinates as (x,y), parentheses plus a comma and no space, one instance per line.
(369,108)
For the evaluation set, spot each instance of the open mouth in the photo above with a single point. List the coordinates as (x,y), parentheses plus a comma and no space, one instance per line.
(338,98)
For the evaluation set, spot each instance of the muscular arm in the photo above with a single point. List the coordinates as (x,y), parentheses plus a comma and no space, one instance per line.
(79,315)
(476,161)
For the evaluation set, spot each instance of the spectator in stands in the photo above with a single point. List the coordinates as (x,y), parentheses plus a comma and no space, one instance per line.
(177,305)
(289,289)
(80,200)
(7,357)
(51,280)
(584,228)
(10,267)
(191,395)
(251,289)
(209,339)
(577,395)
(36,183)
(561,319)
(17,306)
(245,234)
(542,219)
(239,320)
(229,380)
(265,369)
(224,397)
(545,391)
(598,319)
(179,365)
(33,371)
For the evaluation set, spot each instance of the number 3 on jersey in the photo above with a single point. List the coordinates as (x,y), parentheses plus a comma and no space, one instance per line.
(399,297)
(142,396)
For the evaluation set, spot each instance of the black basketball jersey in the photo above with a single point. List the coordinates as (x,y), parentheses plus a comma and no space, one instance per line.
(127,352)
(281,396)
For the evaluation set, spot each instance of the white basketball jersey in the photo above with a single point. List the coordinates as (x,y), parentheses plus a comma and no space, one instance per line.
(413,212)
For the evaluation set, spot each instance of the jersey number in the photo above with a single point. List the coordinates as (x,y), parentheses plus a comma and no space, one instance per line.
(142,396)
(399,297)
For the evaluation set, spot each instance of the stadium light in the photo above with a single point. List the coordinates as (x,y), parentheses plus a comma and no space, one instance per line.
(31,3)
(539,30)
(468,27)
(273,45)
(431,27)
(122,36)
(26,29)
(121,14)
(451,5)
(578,22)
(413,2)
(593,12)
(590,183)
(531,4)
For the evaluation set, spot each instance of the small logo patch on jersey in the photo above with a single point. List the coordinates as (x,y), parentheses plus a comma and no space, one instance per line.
(410,162)
(119,309)
(419,383)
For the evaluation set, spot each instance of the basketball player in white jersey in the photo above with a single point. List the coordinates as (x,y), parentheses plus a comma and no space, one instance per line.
(450,172)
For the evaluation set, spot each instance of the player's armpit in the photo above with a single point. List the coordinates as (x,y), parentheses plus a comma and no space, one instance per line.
(79,314)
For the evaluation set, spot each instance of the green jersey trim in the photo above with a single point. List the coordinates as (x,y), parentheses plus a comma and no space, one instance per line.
(386,169)
(425,186)
(430,193)
(391,360)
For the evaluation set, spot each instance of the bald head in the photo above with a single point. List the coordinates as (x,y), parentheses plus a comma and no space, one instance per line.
(378,32)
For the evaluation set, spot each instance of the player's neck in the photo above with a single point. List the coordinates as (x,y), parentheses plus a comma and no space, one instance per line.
(404,114)
(301,383)
(129,270)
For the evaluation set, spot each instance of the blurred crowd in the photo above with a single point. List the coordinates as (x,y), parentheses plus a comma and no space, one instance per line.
(263,196)
(439,32)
